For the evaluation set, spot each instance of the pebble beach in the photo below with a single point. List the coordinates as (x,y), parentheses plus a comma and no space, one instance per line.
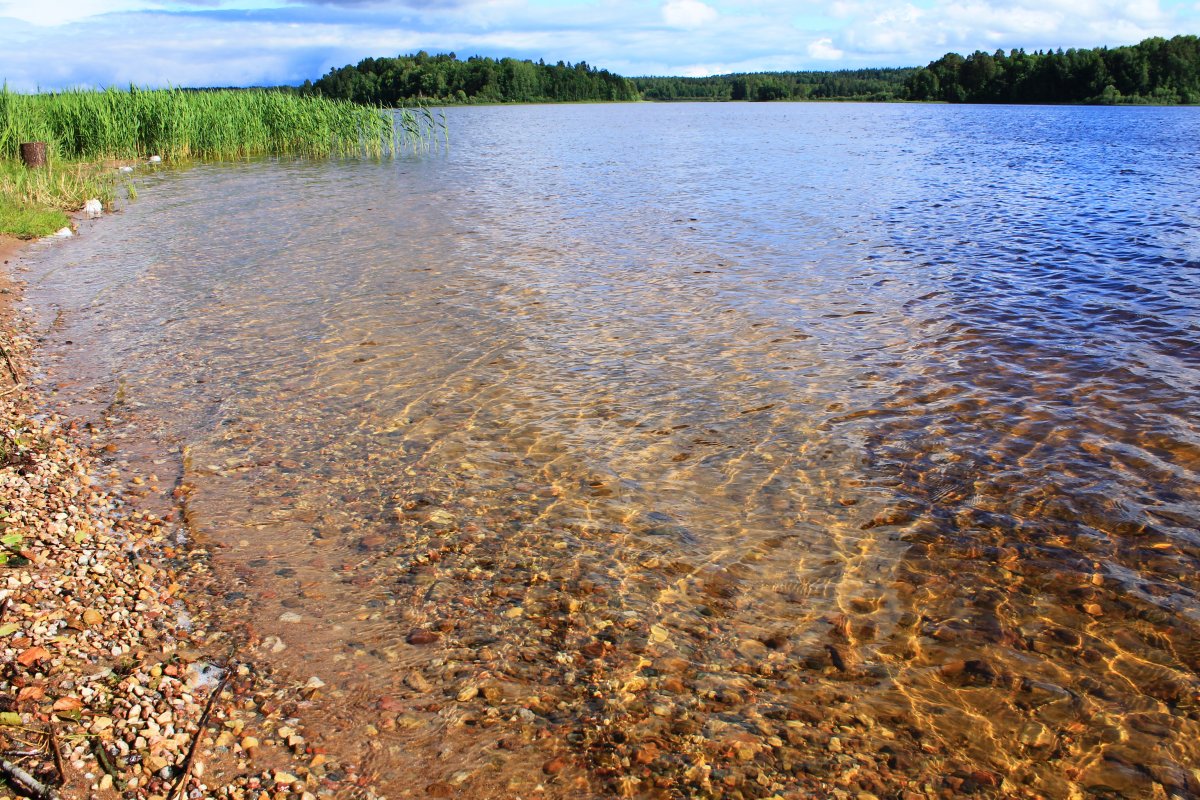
(112,684)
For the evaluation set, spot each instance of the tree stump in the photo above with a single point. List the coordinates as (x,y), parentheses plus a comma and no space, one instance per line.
(33,154)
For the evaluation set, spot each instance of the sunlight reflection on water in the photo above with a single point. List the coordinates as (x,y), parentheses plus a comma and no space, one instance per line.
(706,427)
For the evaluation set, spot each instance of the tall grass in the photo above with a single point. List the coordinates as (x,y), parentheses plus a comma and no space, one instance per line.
(178,125)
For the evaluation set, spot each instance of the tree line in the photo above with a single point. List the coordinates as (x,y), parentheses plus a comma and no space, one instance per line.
(844,84)
(1156,70)
(444,78)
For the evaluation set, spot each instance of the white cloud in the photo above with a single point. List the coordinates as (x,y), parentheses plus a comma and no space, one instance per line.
(63,11)
(823,50)
(910,34)
(687,13)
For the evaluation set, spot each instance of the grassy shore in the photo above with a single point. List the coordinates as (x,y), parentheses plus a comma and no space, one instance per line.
(89,132)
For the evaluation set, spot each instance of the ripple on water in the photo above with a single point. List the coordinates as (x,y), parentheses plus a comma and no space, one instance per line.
(718,473)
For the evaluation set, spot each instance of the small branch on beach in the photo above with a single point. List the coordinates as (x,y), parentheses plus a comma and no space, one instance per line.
(18,387)
(12,370)
(180,789)
(56,753)
(20,779)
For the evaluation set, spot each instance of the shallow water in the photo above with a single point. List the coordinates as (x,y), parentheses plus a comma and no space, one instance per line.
(695,435)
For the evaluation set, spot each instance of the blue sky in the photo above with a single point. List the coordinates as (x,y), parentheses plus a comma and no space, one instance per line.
(52,44)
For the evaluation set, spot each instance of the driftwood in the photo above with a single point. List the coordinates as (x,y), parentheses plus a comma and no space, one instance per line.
(22,780)
(180,788)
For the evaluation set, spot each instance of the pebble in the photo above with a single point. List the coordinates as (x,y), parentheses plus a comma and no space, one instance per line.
(417,682)
(420,636)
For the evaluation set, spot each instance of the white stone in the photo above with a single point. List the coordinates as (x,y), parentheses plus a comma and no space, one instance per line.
(92,208)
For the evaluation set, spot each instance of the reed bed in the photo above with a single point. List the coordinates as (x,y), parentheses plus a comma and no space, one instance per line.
(88,132)
(180,125)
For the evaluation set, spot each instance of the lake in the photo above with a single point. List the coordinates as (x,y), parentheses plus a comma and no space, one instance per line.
(736,449)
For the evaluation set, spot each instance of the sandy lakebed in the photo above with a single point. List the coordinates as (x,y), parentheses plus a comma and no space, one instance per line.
(131,673)
(115,683)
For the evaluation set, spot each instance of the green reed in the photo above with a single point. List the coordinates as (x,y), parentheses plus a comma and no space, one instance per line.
(177,125)
(88,132)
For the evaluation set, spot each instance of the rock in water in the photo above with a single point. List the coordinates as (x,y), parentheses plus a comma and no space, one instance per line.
(92,208)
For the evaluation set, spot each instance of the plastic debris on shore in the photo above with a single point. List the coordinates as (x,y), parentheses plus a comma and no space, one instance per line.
(155,159)
(126,169)
(92,208)
(62,233)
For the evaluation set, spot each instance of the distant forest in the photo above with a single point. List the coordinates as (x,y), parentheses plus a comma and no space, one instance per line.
(843,84)
(1156,70)
(444,78)
(1153,71)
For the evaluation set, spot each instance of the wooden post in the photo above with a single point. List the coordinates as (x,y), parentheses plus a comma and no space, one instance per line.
(33,154)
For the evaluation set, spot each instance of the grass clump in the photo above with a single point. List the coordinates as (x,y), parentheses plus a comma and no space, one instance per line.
(30,222)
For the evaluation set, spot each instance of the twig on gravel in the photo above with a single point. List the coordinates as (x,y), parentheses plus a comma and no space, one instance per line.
(56,752)
(180,787)
(20,779)
(12,370)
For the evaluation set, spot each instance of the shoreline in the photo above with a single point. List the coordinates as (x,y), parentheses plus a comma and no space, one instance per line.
(112,661)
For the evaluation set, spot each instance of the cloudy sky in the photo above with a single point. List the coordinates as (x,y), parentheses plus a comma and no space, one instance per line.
(51,44)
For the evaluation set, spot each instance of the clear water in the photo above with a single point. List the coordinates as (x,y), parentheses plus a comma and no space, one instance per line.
(698,435)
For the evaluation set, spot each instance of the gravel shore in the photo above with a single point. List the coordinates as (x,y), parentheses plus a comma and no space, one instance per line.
(111,685)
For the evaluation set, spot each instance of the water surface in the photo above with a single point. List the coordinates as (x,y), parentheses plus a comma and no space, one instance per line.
(727,449)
